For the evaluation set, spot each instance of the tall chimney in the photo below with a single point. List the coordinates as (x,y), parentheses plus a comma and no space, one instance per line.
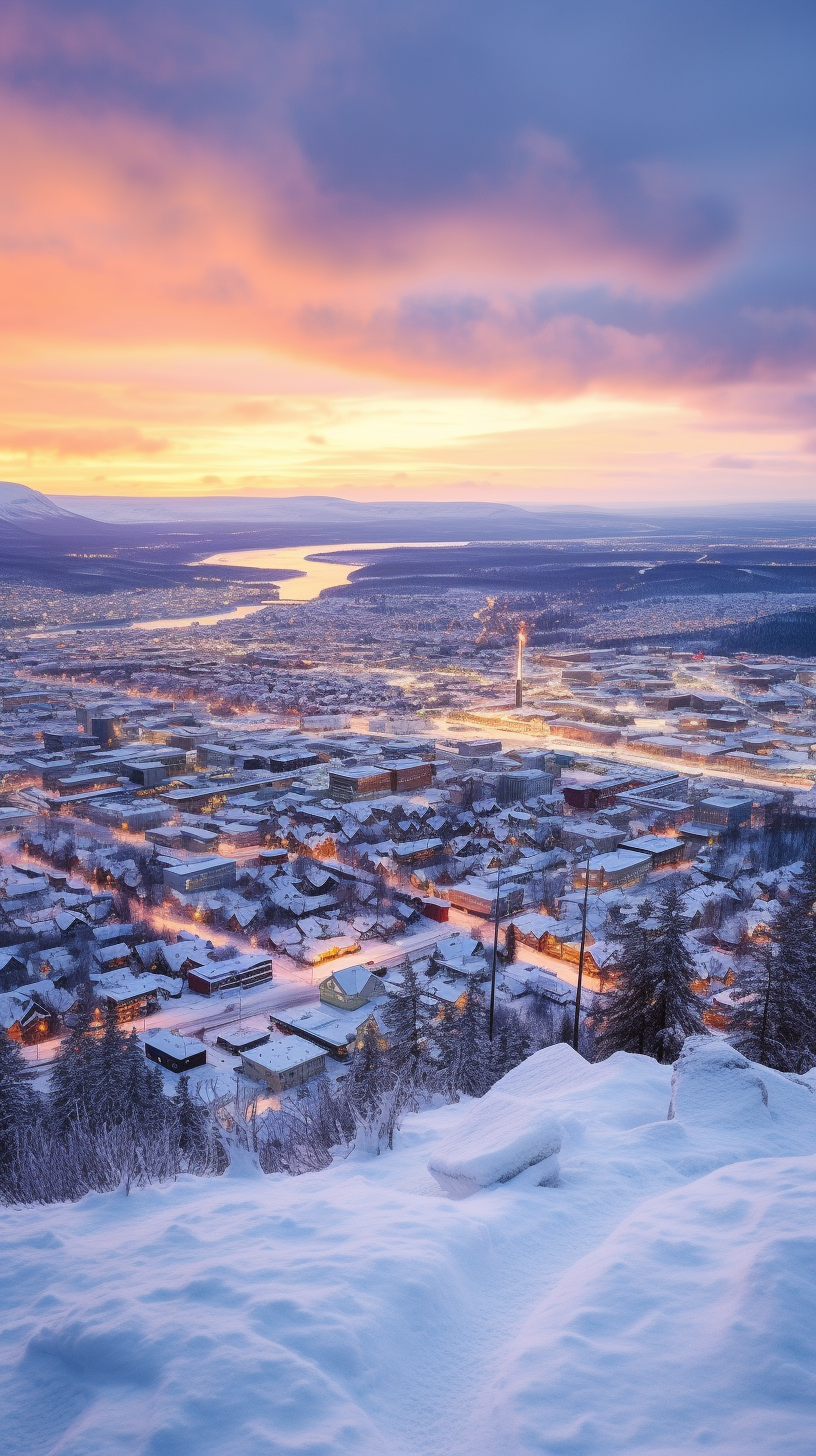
(520,667)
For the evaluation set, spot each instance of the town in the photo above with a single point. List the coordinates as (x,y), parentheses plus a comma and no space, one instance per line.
(243,835)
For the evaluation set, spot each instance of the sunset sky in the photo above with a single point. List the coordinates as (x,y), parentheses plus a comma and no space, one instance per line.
(553,253)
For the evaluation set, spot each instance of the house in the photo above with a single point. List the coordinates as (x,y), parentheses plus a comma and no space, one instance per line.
(338,1035)
(545,983)
(535,929)
(112,957)
(133,996)
(184,957)
(12,967)
(242,917)
(459,955)
(20,1019)
(480,897)
(51,1001)
(283,1062)
(621,867)
(350,988)
(663,848)
(435,908)
(175,1053)
(150,955)
(314,952)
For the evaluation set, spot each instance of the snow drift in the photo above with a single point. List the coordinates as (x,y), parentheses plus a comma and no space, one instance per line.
(658,1301)
(512,1127)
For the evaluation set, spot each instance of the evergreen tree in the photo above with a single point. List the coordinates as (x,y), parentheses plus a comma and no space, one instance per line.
(775,1019)
(368,1073)
(511,1043)
(652,1008)
(19,1107)
(406,1019)
(471,1062)
(74,1076)
(112,1069)
(510,944)
(622,1017)
(191,1129)
(676,1009)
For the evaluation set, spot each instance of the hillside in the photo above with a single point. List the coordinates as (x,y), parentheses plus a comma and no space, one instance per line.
(22,506)
(656,1300)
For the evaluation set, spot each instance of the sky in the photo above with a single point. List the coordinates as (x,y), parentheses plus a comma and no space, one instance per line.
(559,254)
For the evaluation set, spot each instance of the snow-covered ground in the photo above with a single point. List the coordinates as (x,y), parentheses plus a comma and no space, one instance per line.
(658,1299)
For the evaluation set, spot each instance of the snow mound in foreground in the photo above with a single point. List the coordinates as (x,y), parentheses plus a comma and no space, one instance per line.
(691,1328)
(714,1084)
(656,1302)
(512,1127)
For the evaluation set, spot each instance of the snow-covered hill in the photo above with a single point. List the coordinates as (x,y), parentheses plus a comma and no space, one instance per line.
(450,518)
(656,1301)
(24,506)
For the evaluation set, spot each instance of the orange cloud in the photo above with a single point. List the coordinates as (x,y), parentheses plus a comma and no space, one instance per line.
(82,444)
(116,230)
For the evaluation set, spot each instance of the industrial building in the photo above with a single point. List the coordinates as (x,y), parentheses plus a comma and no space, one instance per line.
(725,811)
(516,785)
(200,874)
(620,867)
(241,970)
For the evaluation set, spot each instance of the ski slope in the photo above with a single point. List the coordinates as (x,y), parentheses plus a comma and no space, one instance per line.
(657,1299)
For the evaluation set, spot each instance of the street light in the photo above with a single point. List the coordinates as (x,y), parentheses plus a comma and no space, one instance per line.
(577,1023)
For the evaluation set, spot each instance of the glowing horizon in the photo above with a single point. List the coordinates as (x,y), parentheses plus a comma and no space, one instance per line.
(426,255)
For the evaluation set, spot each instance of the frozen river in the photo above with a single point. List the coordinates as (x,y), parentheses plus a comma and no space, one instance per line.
(317,575)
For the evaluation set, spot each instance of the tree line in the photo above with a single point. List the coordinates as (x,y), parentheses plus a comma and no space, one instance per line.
(104,1121)
(650,1007)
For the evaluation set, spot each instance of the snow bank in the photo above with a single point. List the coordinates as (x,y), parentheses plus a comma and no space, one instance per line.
(713,1084)
(691,1328)
(654,1302)
(511,1128)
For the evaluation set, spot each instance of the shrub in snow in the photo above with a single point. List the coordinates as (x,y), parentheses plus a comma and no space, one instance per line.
(511,1128)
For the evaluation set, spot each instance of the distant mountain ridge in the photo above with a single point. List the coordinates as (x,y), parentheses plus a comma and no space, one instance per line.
(282,510)
(22,505)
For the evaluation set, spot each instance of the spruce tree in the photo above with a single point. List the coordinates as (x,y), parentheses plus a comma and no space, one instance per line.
(676,1009)
(510,1045)
(19,1107)
(74,1082)
(368,1075)
(192,1129)
(472,1044)
(652,1008)
(112,1067)
(775,1017)
(406,1018)
(623,1017)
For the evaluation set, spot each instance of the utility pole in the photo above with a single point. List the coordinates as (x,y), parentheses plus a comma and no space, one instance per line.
(577,1023)
(495,953)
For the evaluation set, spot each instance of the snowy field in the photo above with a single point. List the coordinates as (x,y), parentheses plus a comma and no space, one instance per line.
(657,1298)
